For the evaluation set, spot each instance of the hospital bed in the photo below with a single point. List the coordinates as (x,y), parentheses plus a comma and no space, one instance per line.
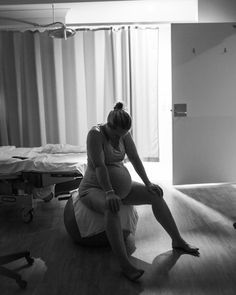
(24,171)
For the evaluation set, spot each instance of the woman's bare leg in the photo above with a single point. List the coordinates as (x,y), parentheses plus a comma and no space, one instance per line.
(116,239)
(114,233)
(139,195)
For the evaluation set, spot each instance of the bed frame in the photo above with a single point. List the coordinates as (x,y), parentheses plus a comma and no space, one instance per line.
(17,189)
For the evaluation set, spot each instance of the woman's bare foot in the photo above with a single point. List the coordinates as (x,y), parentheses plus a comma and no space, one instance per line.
(132,273)
(185,247)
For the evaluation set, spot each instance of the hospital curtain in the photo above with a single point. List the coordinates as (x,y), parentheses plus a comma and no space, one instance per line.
(53,91)
(135,51)
(144,89)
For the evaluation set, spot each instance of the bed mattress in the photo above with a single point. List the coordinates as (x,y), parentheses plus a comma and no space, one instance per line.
(49,158)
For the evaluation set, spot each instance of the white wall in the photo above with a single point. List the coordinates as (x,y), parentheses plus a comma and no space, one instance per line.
(216,10)
(104,12)
(85,11)
(204,142)
(133,11)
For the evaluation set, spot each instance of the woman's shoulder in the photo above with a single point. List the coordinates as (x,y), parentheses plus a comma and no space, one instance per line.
(95,132)
(96,129)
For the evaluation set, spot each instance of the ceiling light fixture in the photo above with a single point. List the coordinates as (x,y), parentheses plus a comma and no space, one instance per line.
(61,33)
(60,30)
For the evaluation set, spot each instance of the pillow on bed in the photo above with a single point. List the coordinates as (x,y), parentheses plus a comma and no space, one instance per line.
(61,148)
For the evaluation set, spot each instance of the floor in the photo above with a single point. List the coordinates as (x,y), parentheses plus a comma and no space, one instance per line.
(204,214)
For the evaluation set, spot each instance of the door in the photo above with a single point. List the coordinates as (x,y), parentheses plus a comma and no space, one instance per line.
(204,82)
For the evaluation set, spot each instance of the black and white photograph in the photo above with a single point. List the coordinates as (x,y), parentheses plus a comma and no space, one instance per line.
(118,147)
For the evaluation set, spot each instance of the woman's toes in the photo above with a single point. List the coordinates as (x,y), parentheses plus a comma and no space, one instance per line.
(183,246)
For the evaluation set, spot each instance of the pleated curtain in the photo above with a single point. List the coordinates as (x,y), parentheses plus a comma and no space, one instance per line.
(54,91)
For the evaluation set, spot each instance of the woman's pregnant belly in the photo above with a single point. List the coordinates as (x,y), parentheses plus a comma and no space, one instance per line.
(120,180)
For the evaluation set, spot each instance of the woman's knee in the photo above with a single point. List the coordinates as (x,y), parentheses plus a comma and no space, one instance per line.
(94,203)
(155,198)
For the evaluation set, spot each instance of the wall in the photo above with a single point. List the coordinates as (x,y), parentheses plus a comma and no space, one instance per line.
(204,143)
(101,12)
(142,10)
(216,10)
(134,11)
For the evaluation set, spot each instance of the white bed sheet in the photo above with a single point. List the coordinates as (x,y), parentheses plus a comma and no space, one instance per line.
(38,161)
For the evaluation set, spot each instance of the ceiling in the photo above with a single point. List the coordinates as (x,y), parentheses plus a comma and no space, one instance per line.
(42,13)
(86,12)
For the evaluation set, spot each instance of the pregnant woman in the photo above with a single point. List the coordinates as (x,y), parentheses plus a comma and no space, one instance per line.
(107,187)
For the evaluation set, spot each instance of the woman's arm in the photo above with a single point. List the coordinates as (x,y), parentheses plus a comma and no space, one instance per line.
(96,154)
(134,158)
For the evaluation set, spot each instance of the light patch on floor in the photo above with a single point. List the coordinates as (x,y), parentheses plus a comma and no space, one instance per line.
(208,212)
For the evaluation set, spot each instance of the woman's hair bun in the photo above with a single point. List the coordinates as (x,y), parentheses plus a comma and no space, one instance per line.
(119,118)
(118,106)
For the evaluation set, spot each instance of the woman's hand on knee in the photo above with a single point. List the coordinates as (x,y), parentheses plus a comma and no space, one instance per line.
(113,202)
(155,189)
